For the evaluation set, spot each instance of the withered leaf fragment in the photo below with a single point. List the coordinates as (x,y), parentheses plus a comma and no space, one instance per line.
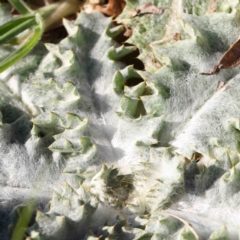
(148,8)
(113,8)
(230,59)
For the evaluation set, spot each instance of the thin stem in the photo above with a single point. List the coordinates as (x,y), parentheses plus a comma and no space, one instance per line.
(47,10)
(64,9)
(187,224)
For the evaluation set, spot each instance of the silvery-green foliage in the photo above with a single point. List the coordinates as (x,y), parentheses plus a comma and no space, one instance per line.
(119,155)
(198,117)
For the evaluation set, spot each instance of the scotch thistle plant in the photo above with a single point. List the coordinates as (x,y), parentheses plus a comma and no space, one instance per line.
(106,151)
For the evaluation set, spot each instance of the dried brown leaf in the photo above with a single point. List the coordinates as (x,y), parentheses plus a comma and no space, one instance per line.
(113,8)
(230,59)
(147,8)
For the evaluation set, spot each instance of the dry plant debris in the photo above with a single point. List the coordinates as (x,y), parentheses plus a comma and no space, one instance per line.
(147,8)
(113,8)
(230,59)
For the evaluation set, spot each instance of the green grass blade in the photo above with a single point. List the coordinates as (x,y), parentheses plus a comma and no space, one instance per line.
(16,26)
(26,48)
(24,219)
(20,6)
